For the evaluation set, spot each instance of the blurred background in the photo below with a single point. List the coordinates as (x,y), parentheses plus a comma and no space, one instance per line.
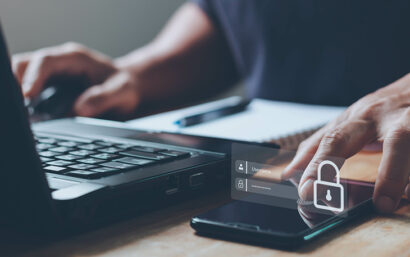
(114,27)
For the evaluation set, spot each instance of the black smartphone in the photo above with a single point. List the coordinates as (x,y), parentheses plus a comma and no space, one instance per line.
(289,225)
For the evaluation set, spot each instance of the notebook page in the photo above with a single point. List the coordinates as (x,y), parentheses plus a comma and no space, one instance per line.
(263,120)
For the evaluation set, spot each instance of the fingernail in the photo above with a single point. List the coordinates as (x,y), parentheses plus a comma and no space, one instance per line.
(385,204)
(80,109)
(26,87)
(287,170)
(85,111)
(305,188)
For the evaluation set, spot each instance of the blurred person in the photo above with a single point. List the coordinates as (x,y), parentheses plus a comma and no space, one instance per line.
(353,53)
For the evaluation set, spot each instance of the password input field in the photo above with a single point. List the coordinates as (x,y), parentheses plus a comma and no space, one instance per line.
(271,189)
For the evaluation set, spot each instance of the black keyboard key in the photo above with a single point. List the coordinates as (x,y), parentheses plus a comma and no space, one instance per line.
(61,149)
(68,157)
(117,165)
(60,163)
(83,174)
(82,166)
(90,161)
(150,156)
(136,161)
(45,159)
(110,150)
(147,149)
(54,169)
(175,153)
(48,154)
(103,143)
(123,146)
(90,146)
(46,140)
(67,143)
(41,147)
(105,170)
(104,156)
(82,152)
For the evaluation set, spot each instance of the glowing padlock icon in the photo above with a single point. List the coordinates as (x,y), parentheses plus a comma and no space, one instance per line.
(329,186)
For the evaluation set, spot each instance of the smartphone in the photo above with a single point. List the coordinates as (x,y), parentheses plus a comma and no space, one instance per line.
(289,225)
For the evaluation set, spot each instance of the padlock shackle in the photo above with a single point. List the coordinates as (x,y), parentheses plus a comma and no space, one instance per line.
(323,163)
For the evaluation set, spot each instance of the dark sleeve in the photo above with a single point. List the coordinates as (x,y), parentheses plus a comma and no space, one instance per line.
(207,7)
(229,74)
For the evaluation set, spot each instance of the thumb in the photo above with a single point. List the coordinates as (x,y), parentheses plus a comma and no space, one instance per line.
(118,93)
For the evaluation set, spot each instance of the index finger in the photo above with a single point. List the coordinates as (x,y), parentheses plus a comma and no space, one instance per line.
(45,64)
(67,59)
(394,170)
(343,141)
(19,64)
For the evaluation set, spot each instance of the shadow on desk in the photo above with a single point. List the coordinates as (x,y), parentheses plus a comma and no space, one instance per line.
(166,232)
(122,233)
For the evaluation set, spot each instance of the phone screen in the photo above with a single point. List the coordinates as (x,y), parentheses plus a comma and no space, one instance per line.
(297,217)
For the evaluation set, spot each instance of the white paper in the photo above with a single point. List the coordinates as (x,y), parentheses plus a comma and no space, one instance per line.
(263,120)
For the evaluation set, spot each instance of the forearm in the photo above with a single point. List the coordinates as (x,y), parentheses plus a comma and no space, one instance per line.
(184,60)
(166,75)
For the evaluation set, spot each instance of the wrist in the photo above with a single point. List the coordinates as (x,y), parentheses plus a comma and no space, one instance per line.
(134,60)
(121,62)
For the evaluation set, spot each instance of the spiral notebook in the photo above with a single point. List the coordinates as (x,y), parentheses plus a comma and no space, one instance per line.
(263,121)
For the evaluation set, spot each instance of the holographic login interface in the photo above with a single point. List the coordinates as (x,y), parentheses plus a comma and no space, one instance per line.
(256,178)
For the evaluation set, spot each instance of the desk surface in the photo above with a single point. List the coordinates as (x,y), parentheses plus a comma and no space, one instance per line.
(167,233)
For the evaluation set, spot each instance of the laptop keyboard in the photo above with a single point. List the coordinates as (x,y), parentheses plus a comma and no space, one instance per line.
(98,158)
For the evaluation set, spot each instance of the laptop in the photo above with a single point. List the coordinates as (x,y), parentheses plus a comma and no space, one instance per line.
(64,174)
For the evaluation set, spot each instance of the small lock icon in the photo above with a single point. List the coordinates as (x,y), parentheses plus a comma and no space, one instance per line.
(333,190)
(240,184)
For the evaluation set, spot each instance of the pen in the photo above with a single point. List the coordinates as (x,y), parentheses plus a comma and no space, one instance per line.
(212,115)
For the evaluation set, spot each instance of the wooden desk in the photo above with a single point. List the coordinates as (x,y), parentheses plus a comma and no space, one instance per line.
(167,233)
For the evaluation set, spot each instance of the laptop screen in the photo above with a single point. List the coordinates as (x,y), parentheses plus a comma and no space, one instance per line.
(24,193)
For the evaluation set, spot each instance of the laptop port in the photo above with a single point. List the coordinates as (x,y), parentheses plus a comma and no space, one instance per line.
(197,179)
(172,185)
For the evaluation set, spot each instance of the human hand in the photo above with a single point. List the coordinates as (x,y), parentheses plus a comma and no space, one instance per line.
(381,116)
(112,89)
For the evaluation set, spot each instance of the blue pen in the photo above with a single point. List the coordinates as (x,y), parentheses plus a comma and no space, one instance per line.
(212,115)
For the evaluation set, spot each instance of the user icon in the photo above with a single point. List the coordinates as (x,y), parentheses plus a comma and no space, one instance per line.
(240,166)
